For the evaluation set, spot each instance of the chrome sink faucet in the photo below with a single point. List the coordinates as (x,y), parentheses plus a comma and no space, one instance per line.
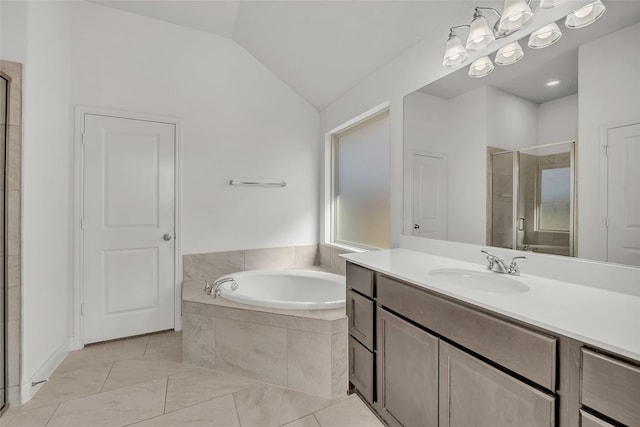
(213,288)
(497,264)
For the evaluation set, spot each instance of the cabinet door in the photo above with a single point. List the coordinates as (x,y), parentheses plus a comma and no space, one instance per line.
(473,393)
(407,369)
(361,369)
(360,314)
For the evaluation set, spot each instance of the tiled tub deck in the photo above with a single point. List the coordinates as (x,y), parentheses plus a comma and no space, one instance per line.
(304,350)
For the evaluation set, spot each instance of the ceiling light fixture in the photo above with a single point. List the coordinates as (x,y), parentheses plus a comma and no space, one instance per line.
(552,83)
(585,15)
(480,34)
(515,15)
(454,54)
(481,67)
(509,54)
(545,36)
(550,4)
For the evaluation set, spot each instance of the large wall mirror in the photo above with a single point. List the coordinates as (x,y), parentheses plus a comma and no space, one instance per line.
(541,155)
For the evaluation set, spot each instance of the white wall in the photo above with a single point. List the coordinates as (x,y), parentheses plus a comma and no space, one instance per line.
(467,168)
(512,122)
(13,31)
(240,122)
(558,120)
(609,91)
(47,194)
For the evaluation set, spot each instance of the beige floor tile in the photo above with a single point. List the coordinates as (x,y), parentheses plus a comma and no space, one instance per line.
(35,418)
(114,408)
(165,346)
(70,385)
(98,354)
(268,406)
(198,385)
(350,412)
(308,421)
(220,412)
(139,370)
(250,350)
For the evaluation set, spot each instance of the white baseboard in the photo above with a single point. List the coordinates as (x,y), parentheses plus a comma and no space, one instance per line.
(27,391)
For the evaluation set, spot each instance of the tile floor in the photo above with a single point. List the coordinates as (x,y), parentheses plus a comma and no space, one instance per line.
(143,382)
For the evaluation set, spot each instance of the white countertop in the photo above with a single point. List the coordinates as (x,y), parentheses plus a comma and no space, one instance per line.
(604,319)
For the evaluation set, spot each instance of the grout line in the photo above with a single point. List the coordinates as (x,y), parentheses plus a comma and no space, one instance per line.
(107,377)
(166,393)
(316,418)
(145,347)
(52,414)
(235,405)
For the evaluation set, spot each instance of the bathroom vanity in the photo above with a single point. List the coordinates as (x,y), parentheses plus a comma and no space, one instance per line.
(428,352)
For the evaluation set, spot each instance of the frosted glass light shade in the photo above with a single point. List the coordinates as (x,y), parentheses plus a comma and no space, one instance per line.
(550,4)
(585,15)
(515,15)
(545,36)
(481,67)
(480,35)
(509,54)
(454,54)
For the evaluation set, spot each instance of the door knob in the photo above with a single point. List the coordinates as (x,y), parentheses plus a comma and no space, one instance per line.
(416,226)
(167,237)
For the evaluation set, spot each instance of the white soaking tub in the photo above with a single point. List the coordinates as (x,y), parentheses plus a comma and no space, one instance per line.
(286,289)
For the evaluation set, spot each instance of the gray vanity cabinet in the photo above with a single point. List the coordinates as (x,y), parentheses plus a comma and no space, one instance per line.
(360,314)
(611,387)
(588,420)
(473,393)
(407,372)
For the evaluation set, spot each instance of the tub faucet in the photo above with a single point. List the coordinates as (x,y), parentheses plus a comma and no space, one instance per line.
(497,264)
(213,288)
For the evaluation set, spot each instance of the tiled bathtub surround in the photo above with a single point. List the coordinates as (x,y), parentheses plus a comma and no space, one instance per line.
(215,264)
(300,350)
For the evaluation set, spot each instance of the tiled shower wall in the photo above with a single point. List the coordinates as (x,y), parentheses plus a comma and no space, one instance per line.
(12,71)
(215,264)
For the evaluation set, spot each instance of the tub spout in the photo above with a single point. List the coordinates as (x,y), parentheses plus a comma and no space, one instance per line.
(214,288)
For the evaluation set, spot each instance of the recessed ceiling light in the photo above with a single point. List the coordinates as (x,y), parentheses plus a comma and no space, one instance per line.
(553,82)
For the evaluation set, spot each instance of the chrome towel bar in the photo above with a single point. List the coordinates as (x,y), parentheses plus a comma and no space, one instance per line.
(262,184)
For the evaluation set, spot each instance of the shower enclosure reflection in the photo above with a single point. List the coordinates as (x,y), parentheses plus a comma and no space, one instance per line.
(3,325)
(531,199)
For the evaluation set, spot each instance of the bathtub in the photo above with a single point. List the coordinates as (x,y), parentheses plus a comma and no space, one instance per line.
(286,289)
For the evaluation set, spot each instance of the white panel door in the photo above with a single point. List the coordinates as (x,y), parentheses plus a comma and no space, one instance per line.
(623,195)
(429,197)
(128,237)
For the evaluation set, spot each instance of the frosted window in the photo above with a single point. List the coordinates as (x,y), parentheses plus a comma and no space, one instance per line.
(361,184)
(555,199)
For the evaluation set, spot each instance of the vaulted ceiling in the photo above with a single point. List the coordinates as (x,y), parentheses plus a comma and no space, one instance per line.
(319,48)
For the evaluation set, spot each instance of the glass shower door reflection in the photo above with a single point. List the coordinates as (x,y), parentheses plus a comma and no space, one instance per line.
(545,199)
(502,199)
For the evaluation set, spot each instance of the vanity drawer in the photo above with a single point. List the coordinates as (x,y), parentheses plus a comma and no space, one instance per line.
(361,369)
(360,314)
(588,420)
(611,387)
(360,279)
(527,353)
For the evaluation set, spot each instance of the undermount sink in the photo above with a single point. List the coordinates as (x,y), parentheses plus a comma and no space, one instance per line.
(481,281)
